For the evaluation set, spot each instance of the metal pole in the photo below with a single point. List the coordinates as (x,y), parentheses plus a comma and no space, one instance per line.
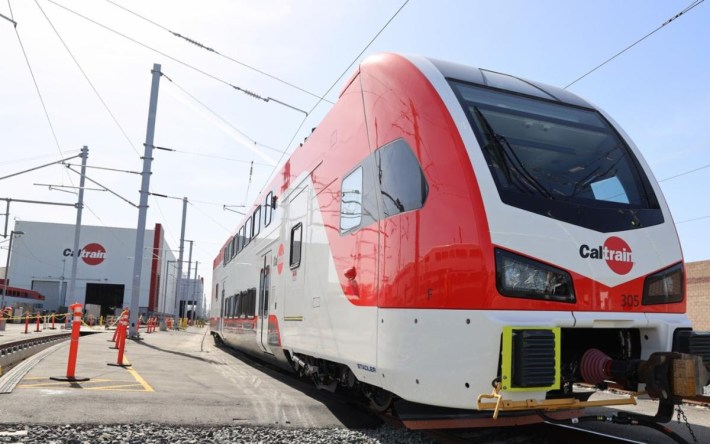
(186,290)
(7,216)
(7,270)
(165,285)
(192,296)
(180,257)
(163,326)
(143,205)
(77,228)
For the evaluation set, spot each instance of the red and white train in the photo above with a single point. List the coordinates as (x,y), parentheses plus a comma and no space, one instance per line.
(447,229)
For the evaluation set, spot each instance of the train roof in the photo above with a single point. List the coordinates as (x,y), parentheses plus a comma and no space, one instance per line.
(507,82)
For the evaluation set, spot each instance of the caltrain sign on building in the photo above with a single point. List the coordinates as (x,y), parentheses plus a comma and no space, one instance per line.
(91,254)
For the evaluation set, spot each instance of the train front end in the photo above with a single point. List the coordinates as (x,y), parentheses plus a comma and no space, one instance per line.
(585,272)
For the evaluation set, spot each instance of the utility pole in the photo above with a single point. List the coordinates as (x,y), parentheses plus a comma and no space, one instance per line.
(192,296)
(180,257)
(186,291)
(143,205)
(77,229)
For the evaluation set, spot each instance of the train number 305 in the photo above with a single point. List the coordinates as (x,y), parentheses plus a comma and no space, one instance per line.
(630,300)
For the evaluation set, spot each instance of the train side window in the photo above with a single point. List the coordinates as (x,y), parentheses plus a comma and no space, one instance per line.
(240,239)
(296,237)
(402,183)
(247,231)
(233,248)
(268,209)
(239,310)
(251,306)
(257,221)
(351,201)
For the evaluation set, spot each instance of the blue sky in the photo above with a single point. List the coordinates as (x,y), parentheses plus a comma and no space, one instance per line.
(657,91)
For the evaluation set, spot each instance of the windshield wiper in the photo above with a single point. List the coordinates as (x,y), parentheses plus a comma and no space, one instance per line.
(505,156)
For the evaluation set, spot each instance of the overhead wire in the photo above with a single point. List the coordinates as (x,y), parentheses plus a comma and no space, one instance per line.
(685,172)
(101,185)
(6,161)
(162,215)
(206,48)
(693,220)
(228,230)
(322,97)
(205,73)
(218,116)
(212,156)
(667,22)
(39,92)
(91,84)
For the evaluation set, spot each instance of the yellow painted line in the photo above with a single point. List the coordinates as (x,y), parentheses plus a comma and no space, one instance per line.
(136,376)
(118,388)
(54,384)
(140,380)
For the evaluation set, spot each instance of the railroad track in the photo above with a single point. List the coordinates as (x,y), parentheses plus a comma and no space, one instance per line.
(544,433)
(13,352)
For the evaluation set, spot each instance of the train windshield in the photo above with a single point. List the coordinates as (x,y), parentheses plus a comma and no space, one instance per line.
(559,160)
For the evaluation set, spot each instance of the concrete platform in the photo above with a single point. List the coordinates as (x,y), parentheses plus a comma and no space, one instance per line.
(173,378)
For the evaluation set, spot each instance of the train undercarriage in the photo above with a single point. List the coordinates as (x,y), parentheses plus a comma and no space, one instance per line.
(599,358)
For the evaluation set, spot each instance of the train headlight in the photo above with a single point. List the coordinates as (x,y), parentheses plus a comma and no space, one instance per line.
(520,277)
(664,287)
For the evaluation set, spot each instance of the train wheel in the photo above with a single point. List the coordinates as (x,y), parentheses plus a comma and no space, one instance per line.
(380,400)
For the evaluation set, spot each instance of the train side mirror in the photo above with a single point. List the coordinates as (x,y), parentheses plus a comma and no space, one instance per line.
(273,201)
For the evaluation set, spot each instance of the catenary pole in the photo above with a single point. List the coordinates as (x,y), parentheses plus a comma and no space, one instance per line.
(194,290)
(180,258)
(186,291)
(143,205)
(77,227)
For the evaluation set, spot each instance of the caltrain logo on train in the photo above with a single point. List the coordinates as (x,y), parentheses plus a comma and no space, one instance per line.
(615,251)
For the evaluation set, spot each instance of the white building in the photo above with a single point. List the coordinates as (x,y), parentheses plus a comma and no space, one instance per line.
(42,257)
(191,296)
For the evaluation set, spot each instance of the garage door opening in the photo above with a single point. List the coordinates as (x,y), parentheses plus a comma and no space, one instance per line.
(108,296)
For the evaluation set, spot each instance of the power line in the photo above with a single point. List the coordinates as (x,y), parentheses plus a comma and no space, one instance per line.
(106,169)
(685,172)
(693,220)
(214,113)
(39,93)
(687,9)
(102,186)
(103,102)
(322,97)
(250,93)
(206,48)
(211,156)
(30,159)
(210,217)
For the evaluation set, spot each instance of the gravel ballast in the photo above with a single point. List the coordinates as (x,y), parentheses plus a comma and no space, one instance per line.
(166,434)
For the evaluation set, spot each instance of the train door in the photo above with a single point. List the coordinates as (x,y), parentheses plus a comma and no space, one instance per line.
(294,260)
(223,310)
(264,285)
